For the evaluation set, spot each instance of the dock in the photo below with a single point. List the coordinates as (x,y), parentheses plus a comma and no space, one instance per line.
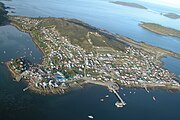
(27,88)
(119,98)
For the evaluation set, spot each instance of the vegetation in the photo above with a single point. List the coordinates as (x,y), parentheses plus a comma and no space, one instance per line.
(77,33)
(159,29)
(135,5)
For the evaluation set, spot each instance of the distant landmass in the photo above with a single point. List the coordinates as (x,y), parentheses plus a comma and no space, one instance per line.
(171,15)
(135,5)
(159,29)
(3,14)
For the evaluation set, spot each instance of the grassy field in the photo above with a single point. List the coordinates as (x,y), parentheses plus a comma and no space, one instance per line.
(77,33)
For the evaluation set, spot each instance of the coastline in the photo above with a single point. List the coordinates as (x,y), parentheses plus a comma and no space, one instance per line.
(34,41)
(13,74)
(142,45)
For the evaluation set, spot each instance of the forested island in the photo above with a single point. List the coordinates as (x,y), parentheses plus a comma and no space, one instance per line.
(159,29)
(135,5)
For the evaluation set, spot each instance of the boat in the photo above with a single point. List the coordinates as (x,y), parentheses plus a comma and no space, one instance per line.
(154,98)
(90,116)
(102,100)
(107,96)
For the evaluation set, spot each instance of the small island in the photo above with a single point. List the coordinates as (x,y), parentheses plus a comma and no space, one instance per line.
(171,15)
(159,29)
(135,5)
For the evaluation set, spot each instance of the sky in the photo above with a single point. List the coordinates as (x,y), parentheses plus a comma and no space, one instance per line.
(171,3)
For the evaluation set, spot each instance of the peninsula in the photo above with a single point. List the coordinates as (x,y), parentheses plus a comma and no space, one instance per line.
(76,53)
(159,29)
(128,4)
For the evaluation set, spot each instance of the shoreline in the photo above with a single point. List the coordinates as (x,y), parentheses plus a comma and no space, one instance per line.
(27,32)
(13,74)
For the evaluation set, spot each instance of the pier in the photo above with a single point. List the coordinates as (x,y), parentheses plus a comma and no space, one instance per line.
(119,98)
(113,87)
(27,88)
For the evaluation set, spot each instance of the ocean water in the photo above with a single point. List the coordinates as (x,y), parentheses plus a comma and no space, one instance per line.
(78,104)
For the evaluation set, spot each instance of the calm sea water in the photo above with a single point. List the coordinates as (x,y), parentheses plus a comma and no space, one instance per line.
(78,104)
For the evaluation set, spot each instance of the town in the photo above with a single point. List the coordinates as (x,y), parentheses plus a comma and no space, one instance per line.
(66,65)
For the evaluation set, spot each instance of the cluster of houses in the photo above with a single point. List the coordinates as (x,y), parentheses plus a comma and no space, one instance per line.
(42,77)
(64,61)
(19,65)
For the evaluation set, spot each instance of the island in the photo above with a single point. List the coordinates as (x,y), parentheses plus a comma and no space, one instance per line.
(159,29)
(135,5)
(171,15)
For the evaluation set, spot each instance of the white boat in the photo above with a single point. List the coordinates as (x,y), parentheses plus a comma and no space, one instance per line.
(90,116)
(154,98)
(107,96)
(102,100)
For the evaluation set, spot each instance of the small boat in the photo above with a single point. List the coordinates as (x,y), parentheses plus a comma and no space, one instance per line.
(102,100)
(130,92)
(90,116)
(107,96)
(154,98)
(4,52)
(124,94)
